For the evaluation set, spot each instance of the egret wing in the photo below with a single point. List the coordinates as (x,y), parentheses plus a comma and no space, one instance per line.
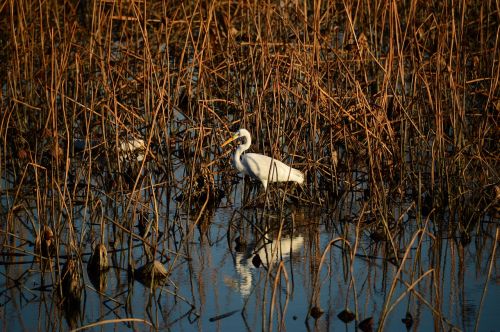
(257,166)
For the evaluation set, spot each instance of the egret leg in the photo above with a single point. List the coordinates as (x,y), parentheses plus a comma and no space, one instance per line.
(264,184)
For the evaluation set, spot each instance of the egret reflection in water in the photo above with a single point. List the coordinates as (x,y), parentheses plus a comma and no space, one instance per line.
(269,254)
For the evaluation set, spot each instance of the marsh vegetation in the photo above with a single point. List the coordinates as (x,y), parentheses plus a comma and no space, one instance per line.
(119,209)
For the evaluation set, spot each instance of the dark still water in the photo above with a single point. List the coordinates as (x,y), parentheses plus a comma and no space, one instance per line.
(246,268)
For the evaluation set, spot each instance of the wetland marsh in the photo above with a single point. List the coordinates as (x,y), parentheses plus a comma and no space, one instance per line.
(120,210)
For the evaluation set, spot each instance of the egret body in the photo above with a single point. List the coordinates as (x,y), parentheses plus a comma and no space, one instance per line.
(261,167)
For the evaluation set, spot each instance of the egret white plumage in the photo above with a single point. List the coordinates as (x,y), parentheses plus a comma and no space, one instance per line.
(261,167)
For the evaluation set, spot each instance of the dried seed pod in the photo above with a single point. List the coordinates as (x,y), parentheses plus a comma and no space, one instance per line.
(256,261)
(71,287)
(241,244)
(98,278)
(71,280)
(366,325)
(408,320)
(316,312)
(346,316)
(99,259)
(151,272)
(45,242)
(22,154)
(378,235)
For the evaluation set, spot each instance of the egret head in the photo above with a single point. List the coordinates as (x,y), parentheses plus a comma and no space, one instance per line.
(240,133)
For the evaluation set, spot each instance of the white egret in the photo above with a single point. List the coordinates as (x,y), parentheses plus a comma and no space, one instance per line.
(261,167)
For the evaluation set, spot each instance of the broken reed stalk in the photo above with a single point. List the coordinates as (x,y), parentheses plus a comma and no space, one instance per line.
(388,306)
(316,283)
(276,291)
(490,269)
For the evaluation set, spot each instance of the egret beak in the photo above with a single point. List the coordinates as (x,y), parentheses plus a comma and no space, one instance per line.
(235,136)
